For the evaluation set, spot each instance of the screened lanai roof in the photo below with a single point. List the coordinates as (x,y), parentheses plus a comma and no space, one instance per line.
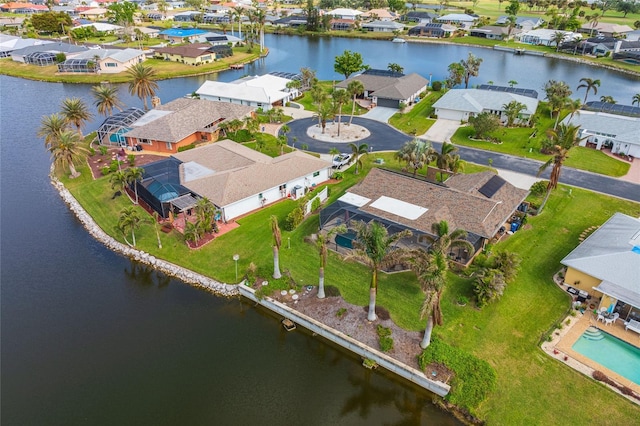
(118,121)
(78,65)
(40,58)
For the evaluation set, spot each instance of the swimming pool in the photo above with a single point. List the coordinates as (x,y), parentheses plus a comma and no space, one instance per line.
(610,352)
(346,239)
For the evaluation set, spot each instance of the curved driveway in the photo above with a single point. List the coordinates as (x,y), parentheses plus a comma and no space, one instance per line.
(385,138)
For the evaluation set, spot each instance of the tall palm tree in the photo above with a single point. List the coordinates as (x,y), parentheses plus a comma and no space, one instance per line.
(355,88)
(129,221)
(238,13)
(156,220)
(141,83)
(260,18)
(134,175)
(75,112)
(51,126)
(277,242)
(321,244)
(324,114)
(557,38)
(447,158)
(66,151)
(444,240)
(512,110)
(607,99)
(118,179)
(588,84)
(375,248)
(636,99)
(573,106)
(106,99)
(340,97)
(416,154)
(358,151)
(564,138)
(431,271)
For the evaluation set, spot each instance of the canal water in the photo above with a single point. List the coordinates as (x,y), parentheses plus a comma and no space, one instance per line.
(90,337)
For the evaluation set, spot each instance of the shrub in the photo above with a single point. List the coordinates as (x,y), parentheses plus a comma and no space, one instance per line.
(294,219)
(474,378)
(114,166)
(105,171)
(341,312)
(338,175)
(132,159)
(187,147)
(92,152)
(436,86)
(103,150)
(384,336)
(315,204)
(538,188)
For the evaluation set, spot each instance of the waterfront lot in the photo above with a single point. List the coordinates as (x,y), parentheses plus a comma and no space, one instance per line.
(532,388)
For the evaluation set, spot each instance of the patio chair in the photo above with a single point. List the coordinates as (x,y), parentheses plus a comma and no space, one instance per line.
(600,317)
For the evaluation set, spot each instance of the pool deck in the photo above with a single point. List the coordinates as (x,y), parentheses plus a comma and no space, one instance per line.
(563,340)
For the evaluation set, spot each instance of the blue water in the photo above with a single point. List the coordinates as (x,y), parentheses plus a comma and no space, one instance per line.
(346,239)
(612,353)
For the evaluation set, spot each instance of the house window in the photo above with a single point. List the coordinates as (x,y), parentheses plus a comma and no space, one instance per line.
(169,146)
(144,141)
(111,65)
(316,174)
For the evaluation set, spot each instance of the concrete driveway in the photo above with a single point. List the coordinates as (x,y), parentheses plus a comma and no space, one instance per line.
(442,130)
(382,114)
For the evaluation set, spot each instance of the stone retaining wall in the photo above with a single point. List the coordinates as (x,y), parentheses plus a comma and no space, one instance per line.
(186,275)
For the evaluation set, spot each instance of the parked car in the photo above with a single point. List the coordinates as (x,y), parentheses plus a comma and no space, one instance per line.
(341,160)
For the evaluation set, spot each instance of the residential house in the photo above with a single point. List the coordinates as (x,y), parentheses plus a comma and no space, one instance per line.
(182,122)
(23,8)
(235,178)
(188,16)
(382,26)
(545,37)
(45,54)
(606,265)
(388,89)
(342,24)
(266,91)
(11,22)
(93,13)
(606,29)
(461,104)
(419,16)
(342,13)
(191,54)
(379,15)
(600,130)
(217,39)
(460,19)
(525,23)
(479,203)
(9,44)
(292,21)
(433,29)
(103,61)
(494,32)
(182,35)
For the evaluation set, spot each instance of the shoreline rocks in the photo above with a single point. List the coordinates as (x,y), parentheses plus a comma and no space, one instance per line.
(188,276)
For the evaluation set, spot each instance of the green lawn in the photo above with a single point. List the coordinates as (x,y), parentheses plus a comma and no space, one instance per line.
(532,388)
(417,121)
(526,142)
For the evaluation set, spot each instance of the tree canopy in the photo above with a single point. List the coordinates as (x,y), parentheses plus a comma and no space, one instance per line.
(121,13)
(51,22)
(348,63)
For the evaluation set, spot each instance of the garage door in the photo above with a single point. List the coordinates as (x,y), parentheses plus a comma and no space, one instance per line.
(449,114)
(389,103)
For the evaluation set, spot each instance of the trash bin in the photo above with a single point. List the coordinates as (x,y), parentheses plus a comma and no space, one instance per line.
(514,226)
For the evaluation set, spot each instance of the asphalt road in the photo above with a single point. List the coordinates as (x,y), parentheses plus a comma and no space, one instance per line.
(386,138)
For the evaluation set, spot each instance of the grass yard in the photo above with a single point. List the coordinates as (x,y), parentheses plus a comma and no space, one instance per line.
(532,387)
(417,121)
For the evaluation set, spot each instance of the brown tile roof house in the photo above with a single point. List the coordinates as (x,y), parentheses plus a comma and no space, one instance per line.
(181,122)
(389,89)
(227,172)
(460,201)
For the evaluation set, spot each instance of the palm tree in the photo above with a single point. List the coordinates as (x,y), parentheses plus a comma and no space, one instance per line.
(106,99)
(141,83)
(512,110)
(260,19)
(51,126)
(118,179)
(573,106)
(589,84)
(67,150)
(375,249)
(358,151)
(75,112)
(237,13)
(134,175)
(321,244)
(416,154)
(508,263)
(355,88)
(156,219)
(281,141)
(277,242)
(557,38)
(444,240)
(340,97)
(564,138)
(431,271)
(325,113)
(636,99)
(129,221)
(192,232)
(447,158)
(607,99)
(489,285)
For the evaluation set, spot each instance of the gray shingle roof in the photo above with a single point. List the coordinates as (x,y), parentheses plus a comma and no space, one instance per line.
(626,129)
(458,202)
(608,253)
(398,88)
(474,100)
(183,117)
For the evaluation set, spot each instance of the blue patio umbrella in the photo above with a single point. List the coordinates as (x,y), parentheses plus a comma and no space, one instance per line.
(611,306)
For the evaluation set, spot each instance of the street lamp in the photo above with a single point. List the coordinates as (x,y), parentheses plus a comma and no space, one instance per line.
(235,258)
